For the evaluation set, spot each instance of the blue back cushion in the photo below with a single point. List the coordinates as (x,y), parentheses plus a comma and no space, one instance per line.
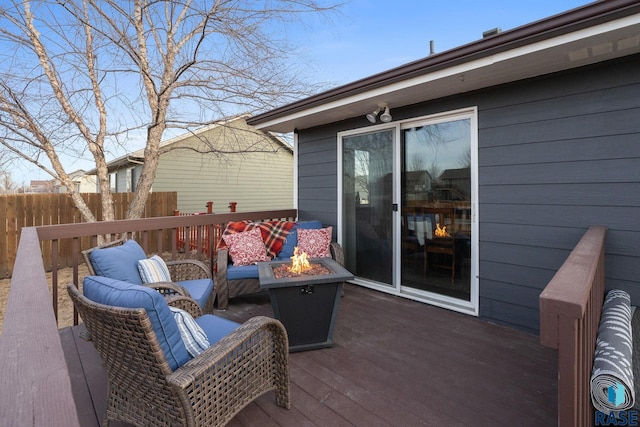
(119,262)
(292,238)
(116,293)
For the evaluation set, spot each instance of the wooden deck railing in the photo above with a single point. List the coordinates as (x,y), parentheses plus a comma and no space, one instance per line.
(36,389)
(570,308)
(199,237)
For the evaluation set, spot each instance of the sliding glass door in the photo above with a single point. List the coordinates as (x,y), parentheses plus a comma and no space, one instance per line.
(408,224)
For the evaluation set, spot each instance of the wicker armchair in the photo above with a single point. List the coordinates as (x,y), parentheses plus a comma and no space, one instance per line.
(207,390)
(184,275)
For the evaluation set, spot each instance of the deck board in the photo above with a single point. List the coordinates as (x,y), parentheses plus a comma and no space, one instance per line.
(80,387)
(395,362)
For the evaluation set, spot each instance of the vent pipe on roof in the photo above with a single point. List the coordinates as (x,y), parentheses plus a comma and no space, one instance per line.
(491,32)
(432,48)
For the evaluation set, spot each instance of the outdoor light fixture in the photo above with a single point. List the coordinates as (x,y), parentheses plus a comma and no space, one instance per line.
(372,117)
(386,116)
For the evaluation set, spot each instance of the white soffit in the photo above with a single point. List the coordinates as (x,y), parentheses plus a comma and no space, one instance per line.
(587,46)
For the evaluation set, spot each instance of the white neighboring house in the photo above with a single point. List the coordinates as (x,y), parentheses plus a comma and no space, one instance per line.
(247,166)
(84,183)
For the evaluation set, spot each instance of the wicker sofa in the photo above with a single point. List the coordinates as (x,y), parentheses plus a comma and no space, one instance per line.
(232,281)
(154,377)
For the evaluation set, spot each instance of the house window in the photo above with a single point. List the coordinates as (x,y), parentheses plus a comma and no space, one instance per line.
(129,179)
(135,176)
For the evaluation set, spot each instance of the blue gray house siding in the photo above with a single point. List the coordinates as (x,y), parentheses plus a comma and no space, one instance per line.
(318,175)
(557,154)
(127,181)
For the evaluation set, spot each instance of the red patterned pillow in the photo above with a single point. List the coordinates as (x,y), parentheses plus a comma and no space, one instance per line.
(315,242)
(274,233)
(232,228)
(246,248)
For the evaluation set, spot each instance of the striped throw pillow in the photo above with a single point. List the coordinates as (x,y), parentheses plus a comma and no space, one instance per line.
(192,334)
(153,270)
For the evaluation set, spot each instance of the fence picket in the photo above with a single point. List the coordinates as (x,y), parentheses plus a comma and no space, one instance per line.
(12,235)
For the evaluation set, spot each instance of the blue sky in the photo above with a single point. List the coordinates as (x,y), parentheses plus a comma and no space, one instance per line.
(366,37)
(371,36)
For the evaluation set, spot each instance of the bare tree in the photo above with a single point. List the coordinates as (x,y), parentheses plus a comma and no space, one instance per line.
(435,171)
(7,185)
(416,163)
(465,158)
(83,77)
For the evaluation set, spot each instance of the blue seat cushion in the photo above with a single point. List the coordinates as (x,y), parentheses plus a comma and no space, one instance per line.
(107,291)
(199,289)
(292,238)
(242,272)
(215,327)
(119,262)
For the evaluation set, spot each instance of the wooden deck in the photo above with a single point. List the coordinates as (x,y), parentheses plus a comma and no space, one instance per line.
(395,363)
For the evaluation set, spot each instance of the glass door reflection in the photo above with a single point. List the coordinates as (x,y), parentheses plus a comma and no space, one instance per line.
(436,208)
(367,199)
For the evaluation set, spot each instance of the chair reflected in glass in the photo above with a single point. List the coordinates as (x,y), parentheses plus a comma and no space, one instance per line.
(414,232)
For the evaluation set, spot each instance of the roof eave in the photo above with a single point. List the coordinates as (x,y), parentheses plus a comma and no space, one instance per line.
(563,23)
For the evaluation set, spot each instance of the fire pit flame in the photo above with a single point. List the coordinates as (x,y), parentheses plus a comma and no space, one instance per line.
(441,232)
(299,267)
(300,262)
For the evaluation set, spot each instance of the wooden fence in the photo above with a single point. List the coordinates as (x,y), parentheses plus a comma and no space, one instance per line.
(27,210)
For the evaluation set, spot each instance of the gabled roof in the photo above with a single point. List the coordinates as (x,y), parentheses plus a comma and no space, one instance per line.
(137,157)
(599,31)
(139,154)
(462,173)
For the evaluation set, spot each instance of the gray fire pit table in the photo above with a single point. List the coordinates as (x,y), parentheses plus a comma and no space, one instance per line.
(306,305)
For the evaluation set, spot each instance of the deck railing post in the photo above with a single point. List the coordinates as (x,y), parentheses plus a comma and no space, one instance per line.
(570,308)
